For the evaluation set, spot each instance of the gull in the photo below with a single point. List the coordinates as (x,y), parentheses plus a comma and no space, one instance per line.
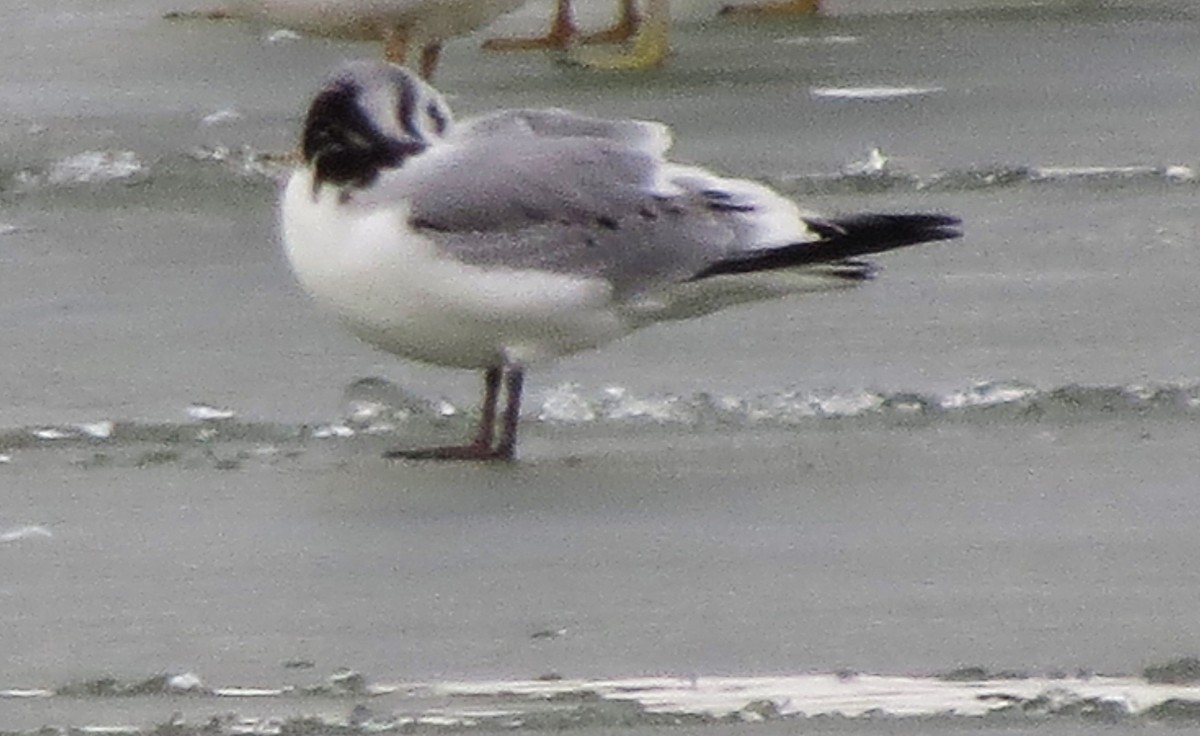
(407,28)
(525,235)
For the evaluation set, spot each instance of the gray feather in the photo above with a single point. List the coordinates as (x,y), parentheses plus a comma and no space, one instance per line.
(578,205)
(648,137)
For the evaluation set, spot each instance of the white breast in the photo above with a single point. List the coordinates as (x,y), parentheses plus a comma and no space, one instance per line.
(396,291)
(368,19)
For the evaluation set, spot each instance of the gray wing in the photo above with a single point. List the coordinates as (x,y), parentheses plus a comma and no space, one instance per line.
(552,191)
(641,135)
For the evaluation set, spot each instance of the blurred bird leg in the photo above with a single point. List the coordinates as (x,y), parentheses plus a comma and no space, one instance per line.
(561,34)
(395,46)
(429,59)
(396,43)
(624,29)
(650,46)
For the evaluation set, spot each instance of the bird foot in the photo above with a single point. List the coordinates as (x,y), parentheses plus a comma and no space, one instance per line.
(215,14)
(645,54)
(535,43)
(473,452)
(776,9)
(649,48)
(561,34)
(620,32)
(564,35)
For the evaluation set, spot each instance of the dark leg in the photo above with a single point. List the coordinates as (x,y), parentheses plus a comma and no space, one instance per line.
(487,413)
(481,447)
(507,448)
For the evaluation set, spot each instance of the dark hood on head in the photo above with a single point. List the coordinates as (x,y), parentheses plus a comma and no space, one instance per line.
(343,145)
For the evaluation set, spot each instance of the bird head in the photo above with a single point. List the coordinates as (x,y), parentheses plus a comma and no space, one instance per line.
(368,117)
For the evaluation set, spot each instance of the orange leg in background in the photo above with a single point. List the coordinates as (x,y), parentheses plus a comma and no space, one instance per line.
(562,32)
(395,45)
(429,59)
(628,22)
(650,46)
(648,37)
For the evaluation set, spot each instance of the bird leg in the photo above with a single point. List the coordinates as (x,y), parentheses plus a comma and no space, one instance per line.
(481,447)
(624,29)
(395,44)
(429,59)
(650,47)
(513,384)
(562,32)
(779,8)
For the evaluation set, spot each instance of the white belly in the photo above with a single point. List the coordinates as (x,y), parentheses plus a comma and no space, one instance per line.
(368,19)
(398,293)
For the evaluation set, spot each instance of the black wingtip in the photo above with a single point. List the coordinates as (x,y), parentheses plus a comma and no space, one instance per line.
(863,234)
(844,238)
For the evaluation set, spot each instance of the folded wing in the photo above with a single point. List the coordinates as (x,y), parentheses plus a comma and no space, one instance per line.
(553,191)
